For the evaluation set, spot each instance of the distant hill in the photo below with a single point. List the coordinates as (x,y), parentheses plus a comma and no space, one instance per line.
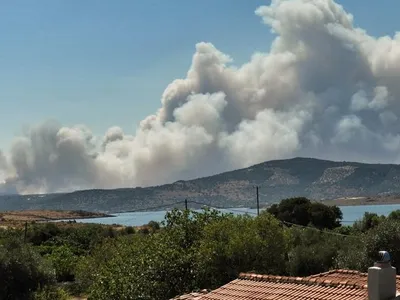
(313,178)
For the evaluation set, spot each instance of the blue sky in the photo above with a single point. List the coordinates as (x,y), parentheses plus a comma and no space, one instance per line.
(104,63)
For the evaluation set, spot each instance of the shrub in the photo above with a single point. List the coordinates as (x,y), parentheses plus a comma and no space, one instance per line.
(369,221)
(129,230)
(64,261)
(385,236)
(241,244)
(22,271)
(50,293)
(154,226)
(312,251)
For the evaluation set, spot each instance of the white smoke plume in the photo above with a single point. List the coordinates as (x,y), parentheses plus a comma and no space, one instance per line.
(323,89)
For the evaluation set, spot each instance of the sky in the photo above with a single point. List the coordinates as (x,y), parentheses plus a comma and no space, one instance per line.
(103,63)
(106,94)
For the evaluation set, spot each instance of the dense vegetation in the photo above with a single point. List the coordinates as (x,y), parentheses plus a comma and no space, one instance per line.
(302,211)
(189,251)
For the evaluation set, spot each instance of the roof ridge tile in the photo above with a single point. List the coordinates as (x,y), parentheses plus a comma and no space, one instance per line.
(303,280)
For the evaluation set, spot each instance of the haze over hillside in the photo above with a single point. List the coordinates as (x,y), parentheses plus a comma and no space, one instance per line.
(317,179)
(323,88)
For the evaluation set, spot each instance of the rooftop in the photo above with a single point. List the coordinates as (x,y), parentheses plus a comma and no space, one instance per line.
(349,275)
(191,296)
(257,287)
(333,285)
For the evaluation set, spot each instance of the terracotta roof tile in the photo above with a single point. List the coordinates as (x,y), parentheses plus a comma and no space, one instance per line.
(349,276)
(191,296)
(319,287)
(332,285)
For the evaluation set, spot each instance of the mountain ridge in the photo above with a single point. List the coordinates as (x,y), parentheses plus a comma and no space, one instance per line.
(300,176)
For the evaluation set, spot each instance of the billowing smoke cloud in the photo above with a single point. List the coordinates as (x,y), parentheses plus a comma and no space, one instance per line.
(3,167)
(324,88)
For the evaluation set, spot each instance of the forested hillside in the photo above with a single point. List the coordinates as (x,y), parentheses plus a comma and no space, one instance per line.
(312,178)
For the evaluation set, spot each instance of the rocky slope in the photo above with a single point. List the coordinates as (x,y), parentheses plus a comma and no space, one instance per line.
(313,178)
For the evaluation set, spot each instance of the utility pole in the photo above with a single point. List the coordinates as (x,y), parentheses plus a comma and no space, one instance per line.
(258,202)
(26,231)
(186,204)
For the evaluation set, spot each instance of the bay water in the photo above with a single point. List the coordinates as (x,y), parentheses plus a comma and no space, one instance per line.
(350,215)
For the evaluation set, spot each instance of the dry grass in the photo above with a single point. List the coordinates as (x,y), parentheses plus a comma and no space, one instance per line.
(377,200)
(43,215)
(16,219)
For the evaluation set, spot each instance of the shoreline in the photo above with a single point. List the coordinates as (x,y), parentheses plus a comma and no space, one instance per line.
(360,201)
(48,215)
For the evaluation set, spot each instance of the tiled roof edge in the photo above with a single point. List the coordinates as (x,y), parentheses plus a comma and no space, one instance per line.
(340,271)
(303,280)
(192,295)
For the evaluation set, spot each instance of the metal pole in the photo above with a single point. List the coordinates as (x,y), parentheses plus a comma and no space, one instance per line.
(258,202)
(26,231)
(186,204)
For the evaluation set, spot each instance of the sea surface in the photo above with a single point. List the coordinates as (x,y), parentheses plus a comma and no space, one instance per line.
(350,214)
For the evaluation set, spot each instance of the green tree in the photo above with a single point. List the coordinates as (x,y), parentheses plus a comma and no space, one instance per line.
(369,221)
(241,244)
(22,271)
(312,251)
(385,236)
(352,254)
(141,267)
(155,266)
(302,211)
(154,226)
(40,233)
(325,217)
(64,261)
(394,215)
(129,230)
(292,210)
(186,226)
